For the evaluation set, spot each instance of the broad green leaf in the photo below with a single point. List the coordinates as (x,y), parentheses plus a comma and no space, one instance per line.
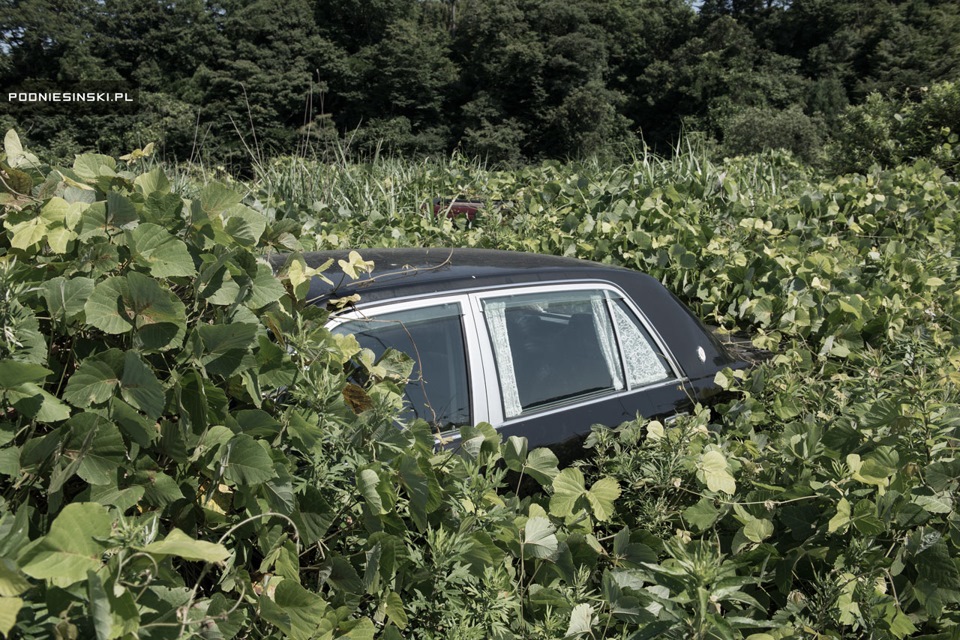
(217,198)
(140,387)
(121,213)
(865,518)
(34,402)
(106,307)
(713,466)
(514,452)
(246,462)
(395,611)
(25,234)
(367,483)
(152,181)
(244,224)
(12,147)
(122,499)
(99,606)
(841,519)
(421,485)
(160,315)
(119,304)
(542,465)
(941,503)
(758,529)
(601,497)
(265,288)
(9,609)
(11,582)
(91,166)
(164,255)
(539,538)
(225,345)
(631,554)
(99,447)
(66,296)
(177,543)
(14,373)
(581,621)
(71,548)
(568,488)
(702,515)
(58,212)
(94,382)
(294,610)
(355,264)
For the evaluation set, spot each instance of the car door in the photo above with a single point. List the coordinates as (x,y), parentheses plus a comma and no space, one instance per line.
(446,384)
(560,358)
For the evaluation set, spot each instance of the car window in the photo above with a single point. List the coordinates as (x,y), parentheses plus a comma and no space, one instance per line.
(556,347)
(552,347)
(438,390)
(644,363)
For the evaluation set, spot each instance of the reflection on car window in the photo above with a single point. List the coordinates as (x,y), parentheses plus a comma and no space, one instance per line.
(552,347)
(438,391)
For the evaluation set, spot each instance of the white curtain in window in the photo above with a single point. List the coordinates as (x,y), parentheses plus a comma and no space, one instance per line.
(606,338)
(643,363)
(497,324)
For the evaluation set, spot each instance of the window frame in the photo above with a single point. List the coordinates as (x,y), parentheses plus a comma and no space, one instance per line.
(495,403)
(483,380)
(474,362)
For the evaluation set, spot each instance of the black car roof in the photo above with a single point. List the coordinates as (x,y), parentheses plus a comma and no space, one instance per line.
(406,273)
(400,273)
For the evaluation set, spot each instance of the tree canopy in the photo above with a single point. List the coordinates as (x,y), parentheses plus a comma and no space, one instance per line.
(505,80)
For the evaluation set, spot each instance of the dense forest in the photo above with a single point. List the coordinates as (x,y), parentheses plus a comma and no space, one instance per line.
(227,81)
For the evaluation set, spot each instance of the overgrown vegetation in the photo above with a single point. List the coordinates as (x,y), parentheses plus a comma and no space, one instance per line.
(178,458)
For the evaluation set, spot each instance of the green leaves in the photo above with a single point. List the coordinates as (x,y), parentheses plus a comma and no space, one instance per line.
(179,544)
(100,376)
(539,539)
(295,611)
(570,495)
(73,546)
(245,461)
(715,471)
(163,255)
(14,374)
(138,304)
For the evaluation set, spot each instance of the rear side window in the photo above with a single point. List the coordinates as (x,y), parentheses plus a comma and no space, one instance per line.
(438,390)
(556,347)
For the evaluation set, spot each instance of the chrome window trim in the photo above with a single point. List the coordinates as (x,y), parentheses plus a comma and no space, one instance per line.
(486,403)
(588,400)
(495,400)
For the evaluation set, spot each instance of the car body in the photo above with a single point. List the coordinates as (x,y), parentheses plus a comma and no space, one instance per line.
(539,346)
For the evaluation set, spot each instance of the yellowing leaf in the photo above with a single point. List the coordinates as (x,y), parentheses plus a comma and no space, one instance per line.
(713,467)
(354,265)
(841,519)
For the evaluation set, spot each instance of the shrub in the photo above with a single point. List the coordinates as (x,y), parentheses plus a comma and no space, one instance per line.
(756,129)
(922,123)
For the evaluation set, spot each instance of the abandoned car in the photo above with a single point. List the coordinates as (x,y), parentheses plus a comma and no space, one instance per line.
(539,346)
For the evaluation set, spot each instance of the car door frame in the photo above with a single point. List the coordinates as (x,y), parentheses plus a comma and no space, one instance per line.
(486,401)
(495,404)
(476,367)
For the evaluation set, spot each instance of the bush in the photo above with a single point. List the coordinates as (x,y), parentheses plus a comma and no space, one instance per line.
(756,129)
(892,130)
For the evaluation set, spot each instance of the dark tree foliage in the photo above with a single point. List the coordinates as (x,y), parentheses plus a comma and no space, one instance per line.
(233,81)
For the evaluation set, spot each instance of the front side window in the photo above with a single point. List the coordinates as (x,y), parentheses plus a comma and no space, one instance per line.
(438,390)
(556,347)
